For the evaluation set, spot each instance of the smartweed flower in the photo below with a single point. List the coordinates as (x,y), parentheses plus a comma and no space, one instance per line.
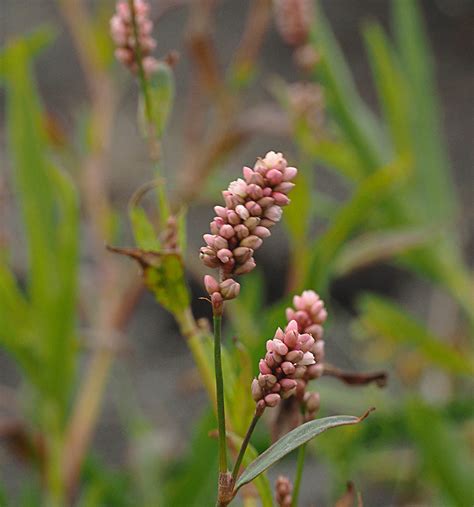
(252,206)
(284,367)
(129,43)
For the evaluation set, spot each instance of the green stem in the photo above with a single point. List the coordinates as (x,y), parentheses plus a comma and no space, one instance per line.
(244,445)
(220,394)
(154,146)
(141,70)
(299,474)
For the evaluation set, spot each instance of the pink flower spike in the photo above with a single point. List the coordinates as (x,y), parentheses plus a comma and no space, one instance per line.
(252,206)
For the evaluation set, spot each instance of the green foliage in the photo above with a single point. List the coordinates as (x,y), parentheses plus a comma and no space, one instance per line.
(401,208)
(38,326)
(385,319)
(161,94)
(191,484)
(290,442)
(442,452)
(352,216)
(408,133)
(261,482)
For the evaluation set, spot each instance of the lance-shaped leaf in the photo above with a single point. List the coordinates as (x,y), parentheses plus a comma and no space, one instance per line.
(163,274)
(380,246)
(292,441)
(161,95)
(381,317)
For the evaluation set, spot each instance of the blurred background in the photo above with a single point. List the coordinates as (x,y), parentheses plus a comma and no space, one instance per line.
(397,281)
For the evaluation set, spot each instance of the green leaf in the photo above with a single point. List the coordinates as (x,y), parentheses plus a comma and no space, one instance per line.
(161,93)
(146,236)
(379,246)
(165,278)
(356,121)
(444,455)
(370,193)
(50,215)
(297,216)
(433,179)
(391,88)
(32,179)
(143,230)
(383,318)
(163,274)
(292,441)
(339,155)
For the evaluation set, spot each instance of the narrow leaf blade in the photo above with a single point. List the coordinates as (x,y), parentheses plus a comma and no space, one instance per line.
(292,441)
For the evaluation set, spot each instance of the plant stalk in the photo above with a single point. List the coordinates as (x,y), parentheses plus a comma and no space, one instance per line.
(245,444)
(220,393)
(154,147)
(299,474)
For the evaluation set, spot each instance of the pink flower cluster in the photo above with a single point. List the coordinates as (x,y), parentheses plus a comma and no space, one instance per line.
(283,490)
(310,314)
(252,206)
(287,363)
(121,28)
(293,20)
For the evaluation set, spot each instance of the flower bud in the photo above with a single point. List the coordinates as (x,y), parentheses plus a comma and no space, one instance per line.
(274,177)
(281,199)
(241,231)
(287,384)
(220,211)
(229,289)
(312,401)
(308,359)
(224,255)
(242,211)
(257,391)
(273,213)
(262,232)
(253,208)
(252,222)
(267,201)
(272,400)
(252,241)
(254,191)
(211,284)
(294,356)
(246,267)
(226,231)
(242,254)
(264,368)
(289,173)
(284,187)
(288,368)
